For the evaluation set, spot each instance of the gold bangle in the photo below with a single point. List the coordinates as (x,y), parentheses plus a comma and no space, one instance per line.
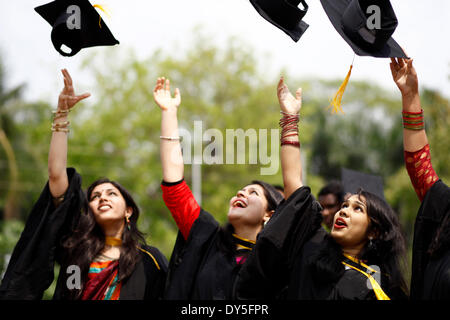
(61,124)
(57,129)
(169,138)
(61,111)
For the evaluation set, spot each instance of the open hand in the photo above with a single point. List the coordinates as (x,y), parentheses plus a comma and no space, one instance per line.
(162,96)
(67,98)
(405,76)
(289,103)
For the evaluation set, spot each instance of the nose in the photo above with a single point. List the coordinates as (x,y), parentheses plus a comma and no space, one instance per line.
(241,194)
(342,212)
(102,197)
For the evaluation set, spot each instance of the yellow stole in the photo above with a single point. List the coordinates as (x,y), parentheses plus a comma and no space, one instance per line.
(379,293)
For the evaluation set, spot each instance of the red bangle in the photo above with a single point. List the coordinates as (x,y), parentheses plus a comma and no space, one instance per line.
(293,143)
(412,113)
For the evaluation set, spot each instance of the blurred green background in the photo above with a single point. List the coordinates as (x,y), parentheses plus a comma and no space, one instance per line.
(116,134)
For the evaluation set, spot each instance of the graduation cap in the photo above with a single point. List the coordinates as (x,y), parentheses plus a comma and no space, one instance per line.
(284,14)
(76,24)
(367,26)
(352,181)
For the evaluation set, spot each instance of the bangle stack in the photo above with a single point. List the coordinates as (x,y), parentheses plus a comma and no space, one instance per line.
(413,120)
(60,126)
(289,128)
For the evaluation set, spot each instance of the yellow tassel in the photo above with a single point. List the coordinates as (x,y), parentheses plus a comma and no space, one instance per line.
(336,103)
(102,9)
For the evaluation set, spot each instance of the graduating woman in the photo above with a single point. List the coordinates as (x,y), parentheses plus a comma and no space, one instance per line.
(94,238)
(295,258)
(431,244)
(206,257)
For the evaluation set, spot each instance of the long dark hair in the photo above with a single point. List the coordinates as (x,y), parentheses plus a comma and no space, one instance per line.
(273,197)
(386,249)
(441,241)
(88,240)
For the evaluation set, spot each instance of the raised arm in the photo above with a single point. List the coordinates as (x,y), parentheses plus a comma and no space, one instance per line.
(405,77)
(415,141)
(57,157)
(291,165)
(176,193)
(170,149)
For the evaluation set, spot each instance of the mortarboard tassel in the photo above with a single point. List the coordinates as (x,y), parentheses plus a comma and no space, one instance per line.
(336,103)
(337,100)
(102,9)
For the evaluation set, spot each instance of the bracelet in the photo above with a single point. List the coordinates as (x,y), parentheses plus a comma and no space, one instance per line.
(60,130)
(292,143)
(413,120)
(60,113)
(64,124)
(169,138)
(289,128)
(60,126)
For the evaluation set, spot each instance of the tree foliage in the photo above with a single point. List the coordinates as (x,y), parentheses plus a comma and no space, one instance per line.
(116,132)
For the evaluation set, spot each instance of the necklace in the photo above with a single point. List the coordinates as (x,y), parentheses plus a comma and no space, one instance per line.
(113,242)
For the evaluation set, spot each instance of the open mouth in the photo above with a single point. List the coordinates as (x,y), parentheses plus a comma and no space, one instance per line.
(104,207)
(339,223)
(239,203)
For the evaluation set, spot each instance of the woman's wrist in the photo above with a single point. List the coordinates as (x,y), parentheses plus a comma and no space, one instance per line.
(60,121)
(411,102)
(289,129)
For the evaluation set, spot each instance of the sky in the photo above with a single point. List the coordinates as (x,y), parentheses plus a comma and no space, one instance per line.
(147,25)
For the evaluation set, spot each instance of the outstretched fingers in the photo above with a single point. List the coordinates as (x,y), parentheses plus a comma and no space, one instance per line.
(298,94)
(177,95)
(82,97)
(282,87)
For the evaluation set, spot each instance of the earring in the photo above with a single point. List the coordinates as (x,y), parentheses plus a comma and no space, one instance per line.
(128,222)
(370,245)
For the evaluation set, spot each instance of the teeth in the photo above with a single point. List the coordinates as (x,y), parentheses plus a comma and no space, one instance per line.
(239,203)
(104,207)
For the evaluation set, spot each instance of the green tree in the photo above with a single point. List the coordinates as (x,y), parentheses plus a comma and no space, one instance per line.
(115,133)
(7,129)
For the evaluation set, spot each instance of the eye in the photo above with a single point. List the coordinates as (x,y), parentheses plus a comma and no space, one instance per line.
(112,193)
(358,208)
(254,192)
(94,197)
(344,205)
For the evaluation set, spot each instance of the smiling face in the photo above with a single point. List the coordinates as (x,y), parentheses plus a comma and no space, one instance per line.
(351,223)
(108,205)
(248,207)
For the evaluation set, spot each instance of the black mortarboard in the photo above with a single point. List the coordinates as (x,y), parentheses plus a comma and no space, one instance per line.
(76,24)
(355,180)
(350,19)
(284,14)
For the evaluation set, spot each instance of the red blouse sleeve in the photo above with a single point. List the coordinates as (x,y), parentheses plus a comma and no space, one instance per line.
(182,205)
(420,170)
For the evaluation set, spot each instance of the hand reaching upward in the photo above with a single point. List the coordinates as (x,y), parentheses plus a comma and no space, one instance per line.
(289,103)
(405,76)
(67,98)
(162,96)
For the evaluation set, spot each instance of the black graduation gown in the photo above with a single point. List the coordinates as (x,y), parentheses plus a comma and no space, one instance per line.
(30,270)
(199,268)
(282,264)
(430,279)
